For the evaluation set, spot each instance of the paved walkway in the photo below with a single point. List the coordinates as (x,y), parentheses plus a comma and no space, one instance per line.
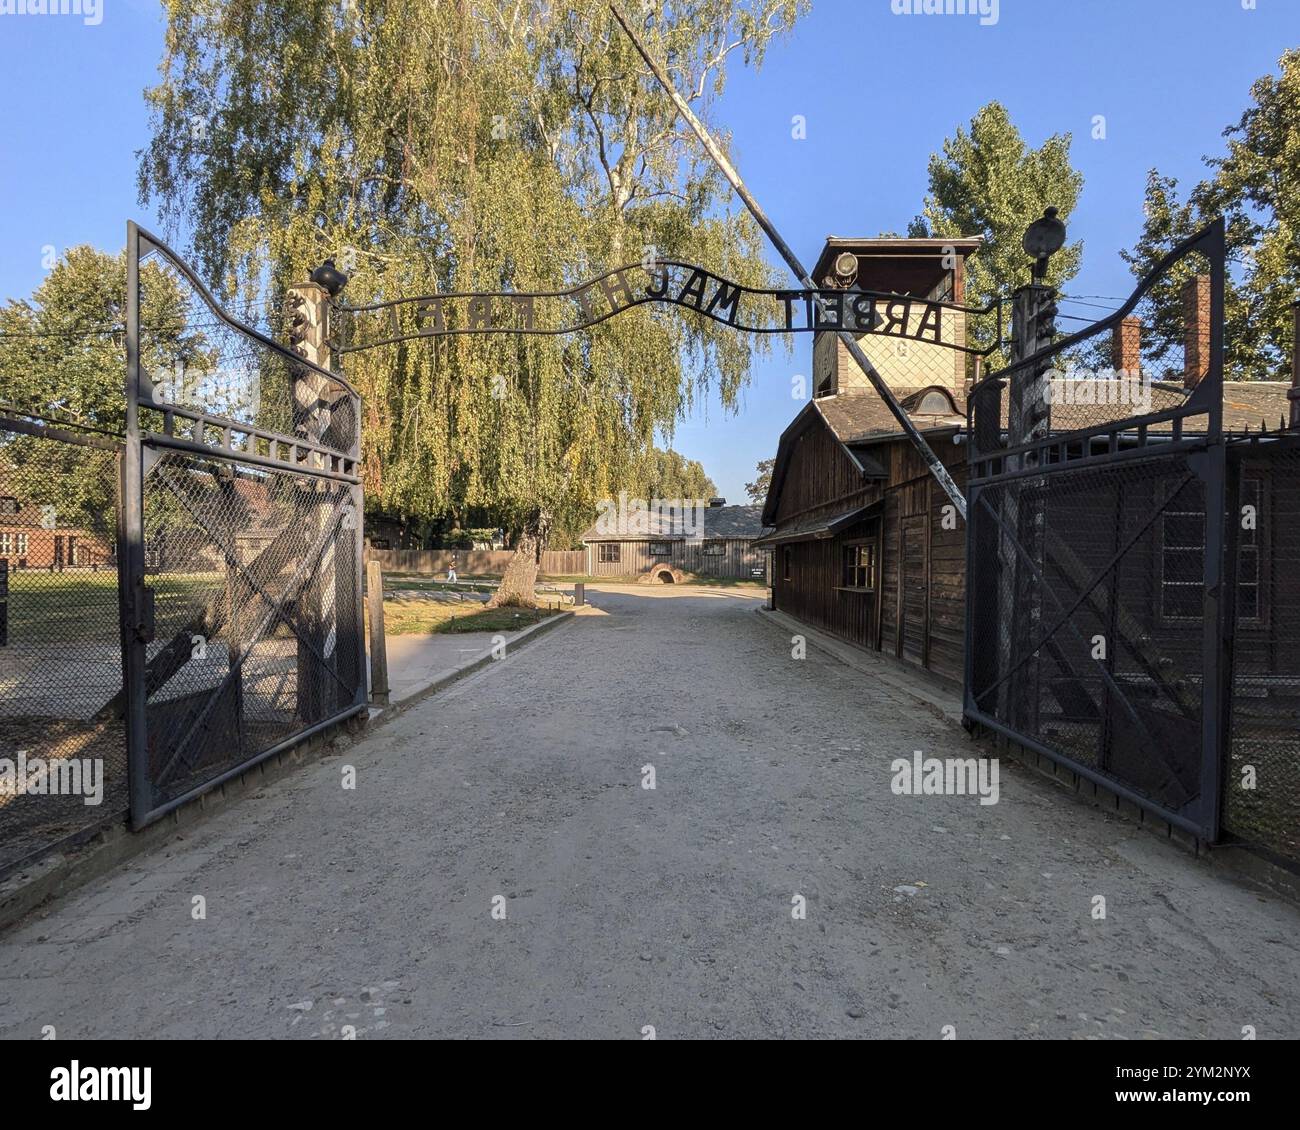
(520,786)
(416,661)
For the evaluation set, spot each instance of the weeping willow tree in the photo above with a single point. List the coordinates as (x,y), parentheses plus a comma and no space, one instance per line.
(448,145)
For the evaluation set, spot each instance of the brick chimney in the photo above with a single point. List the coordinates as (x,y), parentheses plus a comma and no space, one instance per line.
(1293,393)
(1126,346)
(1196,323)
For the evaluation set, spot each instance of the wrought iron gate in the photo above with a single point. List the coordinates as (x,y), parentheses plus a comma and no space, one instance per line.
(241,541)
(1099,618)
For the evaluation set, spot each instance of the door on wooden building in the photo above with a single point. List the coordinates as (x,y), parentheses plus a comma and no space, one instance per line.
(913,590)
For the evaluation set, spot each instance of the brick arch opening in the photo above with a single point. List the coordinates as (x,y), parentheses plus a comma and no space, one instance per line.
(664,574)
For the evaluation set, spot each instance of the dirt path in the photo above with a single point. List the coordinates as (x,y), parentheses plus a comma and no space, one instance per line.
(671,908)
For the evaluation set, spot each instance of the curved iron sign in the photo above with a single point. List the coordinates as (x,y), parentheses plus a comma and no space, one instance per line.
(669,282)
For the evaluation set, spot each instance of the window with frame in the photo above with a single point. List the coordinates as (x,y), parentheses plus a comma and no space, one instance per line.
(715,549)
(6,543)
(609,553)
(22,544)
(1182,560)
(860,566)
(1182,564)
(661,549)
(1248,586)
(9,504)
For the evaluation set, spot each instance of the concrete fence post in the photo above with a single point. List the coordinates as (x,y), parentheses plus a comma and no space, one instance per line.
(378,646)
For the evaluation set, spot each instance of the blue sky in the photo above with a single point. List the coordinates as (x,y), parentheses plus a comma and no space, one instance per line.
(879,93)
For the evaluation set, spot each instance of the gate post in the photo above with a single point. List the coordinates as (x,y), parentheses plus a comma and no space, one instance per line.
(1293,393)
(1222,492)
(313,409)
(982,552)
(1028,420)
(132,597)
(379,689)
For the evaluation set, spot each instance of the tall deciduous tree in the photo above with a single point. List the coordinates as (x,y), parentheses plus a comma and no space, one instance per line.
(61,357)
(757,490)
(988,182)
(1255,186)
(445,145)
(670,475)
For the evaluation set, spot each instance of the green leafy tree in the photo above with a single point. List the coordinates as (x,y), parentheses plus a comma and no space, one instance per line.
(988,182)
(757,490)
(448,146)
(63,360)
(1255,186)
(669,474)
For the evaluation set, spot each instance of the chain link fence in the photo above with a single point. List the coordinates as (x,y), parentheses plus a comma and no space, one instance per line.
(63,761)
(255,604)
(179,562)
(1262,778)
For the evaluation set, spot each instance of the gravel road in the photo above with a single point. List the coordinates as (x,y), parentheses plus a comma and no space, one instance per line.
(625,908)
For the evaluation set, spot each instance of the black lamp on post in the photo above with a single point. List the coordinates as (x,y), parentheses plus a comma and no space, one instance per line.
(1043,239)
(327,275)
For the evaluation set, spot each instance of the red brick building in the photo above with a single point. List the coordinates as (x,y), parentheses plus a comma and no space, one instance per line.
(33,537)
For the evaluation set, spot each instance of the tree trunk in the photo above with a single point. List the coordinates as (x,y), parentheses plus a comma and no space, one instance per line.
(519,581)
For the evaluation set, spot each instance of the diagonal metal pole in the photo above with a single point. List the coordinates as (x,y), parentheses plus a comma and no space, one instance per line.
(937,469)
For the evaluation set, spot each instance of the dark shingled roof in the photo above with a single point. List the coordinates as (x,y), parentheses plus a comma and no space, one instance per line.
(719,522)
(856,415)
(858,418)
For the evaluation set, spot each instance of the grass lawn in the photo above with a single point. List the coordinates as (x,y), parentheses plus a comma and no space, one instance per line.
(426,617)
(79,605)
(428,582)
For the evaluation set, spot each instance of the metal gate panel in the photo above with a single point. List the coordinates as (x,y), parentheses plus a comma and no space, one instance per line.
(241,613)
(1099,616)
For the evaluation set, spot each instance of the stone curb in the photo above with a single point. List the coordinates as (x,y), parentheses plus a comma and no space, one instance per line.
(381,714)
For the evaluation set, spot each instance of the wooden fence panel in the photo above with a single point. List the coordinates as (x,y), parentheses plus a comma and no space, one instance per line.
(486,562)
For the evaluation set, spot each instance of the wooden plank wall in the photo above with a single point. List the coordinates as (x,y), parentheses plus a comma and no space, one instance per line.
(814,593)
(635,558)
(555,563)
(821,479)
(930,631)
(922,620)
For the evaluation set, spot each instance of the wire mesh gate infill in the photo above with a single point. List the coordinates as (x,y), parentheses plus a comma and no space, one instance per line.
(1104,664)
(63,762)
(255,590)
(242,557)
(1097,623)
(1262,784)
